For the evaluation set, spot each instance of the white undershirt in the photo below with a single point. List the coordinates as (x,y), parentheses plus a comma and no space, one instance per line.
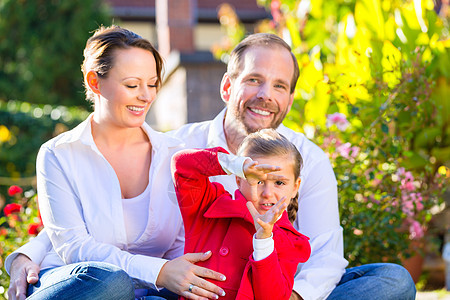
(135,213)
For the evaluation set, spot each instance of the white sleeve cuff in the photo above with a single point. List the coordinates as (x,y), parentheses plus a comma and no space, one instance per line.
(232,164)
(36,249)
(150,273)
(262,248)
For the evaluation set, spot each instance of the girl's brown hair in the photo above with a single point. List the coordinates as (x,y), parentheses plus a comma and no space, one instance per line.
(268,142)
(99,52)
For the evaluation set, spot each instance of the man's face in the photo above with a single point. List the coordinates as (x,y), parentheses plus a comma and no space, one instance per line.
(259,97)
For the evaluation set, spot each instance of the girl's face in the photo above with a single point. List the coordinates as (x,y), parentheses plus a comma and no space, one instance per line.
(270,191)
(125,95)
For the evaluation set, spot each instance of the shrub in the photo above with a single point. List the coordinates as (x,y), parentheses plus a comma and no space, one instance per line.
(373,93)
(20,223)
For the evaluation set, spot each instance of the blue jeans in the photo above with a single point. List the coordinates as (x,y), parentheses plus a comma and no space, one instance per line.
(86,280)
(375,281)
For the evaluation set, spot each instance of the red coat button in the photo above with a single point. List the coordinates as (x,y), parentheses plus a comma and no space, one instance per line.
(224,251)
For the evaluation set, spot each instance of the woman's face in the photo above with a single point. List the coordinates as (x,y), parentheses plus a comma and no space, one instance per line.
(125,95)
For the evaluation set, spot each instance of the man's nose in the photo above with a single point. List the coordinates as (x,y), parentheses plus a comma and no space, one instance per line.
(264,91)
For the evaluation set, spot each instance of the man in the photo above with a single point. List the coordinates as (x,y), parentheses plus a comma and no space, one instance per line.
(258,90)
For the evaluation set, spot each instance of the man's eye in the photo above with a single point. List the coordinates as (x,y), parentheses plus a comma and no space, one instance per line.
(280,183)
(260,182)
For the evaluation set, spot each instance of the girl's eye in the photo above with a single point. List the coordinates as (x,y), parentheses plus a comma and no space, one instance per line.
(131,86)
(260,182)
(152,86)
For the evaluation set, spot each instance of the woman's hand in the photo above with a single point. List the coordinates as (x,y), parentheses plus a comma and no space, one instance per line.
(182,277)
(23,272)
(264,223)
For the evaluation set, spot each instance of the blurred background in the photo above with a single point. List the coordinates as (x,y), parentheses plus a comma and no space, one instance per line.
(373,93)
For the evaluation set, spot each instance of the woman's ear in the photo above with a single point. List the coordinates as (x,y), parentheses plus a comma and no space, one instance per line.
(92,81)
(225,88)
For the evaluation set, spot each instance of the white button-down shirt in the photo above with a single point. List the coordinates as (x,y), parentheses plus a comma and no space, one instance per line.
(318,214)
(81,206)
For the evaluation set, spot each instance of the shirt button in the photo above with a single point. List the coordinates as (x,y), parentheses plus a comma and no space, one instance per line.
(224,251)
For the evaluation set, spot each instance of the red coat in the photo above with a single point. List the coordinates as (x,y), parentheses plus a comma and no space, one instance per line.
(214,221)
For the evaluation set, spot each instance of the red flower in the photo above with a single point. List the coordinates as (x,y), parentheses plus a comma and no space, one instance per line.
(14,189)
(34,228)
(11,208)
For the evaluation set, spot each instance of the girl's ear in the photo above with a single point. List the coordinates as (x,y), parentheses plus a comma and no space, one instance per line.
(92,81)
(225,88)
(296,186)
(238,181)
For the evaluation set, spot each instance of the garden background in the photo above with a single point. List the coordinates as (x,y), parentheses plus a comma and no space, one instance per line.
(373,92)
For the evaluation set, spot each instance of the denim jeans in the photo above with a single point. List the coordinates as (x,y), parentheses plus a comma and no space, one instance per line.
(375,281)
(86,280)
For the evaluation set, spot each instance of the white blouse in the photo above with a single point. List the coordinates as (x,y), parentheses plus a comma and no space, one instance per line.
(81,206)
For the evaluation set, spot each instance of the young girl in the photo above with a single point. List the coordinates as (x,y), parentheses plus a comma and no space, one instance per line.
(251,239)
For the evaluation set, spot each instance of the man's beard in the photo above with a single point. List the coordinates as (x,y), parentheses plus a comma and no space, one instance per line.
(239,116)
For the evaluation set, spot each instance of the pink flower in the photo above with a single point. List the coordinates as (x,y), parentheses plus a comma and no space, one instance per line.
(407,185)
(275,10)
(415,230)
(14,189)
(344,150)
(418,200)
(11,208)
(355,151)
(400,171)
(408,208)
(347,150)
(339,120)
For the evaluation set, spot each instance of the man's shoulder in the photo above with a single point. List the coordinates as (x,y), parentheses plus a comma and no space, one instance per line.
(307,148)
(192,133)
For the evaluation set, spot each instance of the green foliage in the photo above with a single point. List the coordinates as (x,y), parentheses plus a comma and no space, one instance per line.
(41,46)
(374,93)
(24,127)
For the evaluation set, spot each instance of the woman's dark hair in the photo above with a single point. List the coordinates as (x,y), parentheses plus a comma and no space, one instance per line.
(99,52)
(268,142)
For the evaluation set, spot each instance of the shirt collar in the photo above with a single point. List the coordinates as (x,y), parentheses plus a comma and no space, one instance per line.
(83,133)
(216,134)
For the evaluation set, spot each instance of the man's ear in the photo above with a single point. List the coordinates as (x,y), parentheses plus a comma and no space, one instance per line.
(92,81)
(225,86)
(291,100)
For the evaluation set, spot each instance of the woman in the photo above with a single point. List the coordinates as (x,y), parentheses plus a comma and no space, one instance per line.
(103,188)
